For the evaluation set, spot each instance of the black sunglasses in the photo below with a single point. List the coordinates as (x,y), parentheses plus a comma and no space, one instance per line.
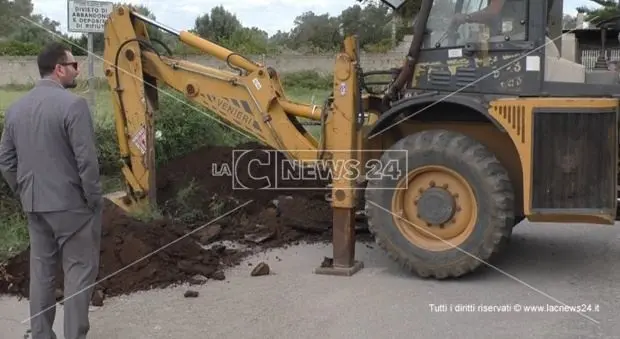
(74,64)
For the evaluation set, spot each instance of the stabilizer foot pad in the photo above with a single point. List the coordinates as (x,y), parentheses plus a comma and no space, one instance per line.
(340,271)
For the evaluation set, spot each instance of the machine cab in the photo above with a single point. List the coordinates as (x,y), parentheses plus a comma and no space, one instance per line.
(500,47)
(453,24)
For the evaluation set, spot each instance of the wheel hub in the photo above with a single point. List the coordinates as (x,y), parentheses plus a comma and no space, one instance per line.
(436,206)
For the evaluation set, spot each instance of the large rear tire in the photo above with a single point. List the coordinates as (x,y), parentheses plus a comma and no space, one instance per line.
(449,210)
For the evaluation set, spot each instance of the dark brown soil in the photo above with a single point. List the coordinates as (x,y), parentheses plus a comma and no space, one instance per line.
(138,256)
(259,175)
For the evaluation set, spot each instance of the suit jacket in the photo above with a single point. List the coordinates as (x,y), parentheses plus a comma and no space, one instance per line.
(47,150)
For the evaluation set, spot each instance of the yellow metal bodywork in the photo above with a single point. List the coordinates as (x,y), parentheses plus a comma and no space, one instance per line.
(254,102)
(133,118)
(516,116)
(514,146)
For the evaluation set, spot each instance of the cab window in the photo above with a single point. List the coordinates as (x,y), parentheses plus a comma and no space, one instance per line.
(453,23)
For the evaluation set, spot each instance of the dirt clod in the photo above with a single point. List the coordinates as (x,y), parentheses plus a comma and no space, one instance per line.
(138,255)
(260,269)
(207,235)
(190,294)
(97,299)
(219,275)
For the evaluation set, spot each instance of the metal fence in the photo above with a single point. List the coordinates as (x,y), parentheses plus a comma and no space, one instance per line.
(589,56)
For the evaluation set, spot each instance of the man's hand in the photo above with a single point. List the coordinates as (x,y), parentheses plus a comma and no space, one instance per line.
(8,157)
(459,19)
(95,203)
(81,133)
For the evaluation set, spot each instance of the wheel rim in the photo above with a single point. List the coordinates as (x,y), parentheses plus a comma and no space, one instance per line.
(435,208)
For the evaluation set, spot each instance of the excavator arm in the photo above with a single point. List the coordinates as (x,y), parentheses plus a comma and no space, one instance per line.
(251,100)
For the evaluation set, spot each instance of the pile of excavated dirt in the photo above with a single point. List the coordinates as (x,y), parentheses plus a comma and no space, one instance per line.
(201,187)
(132,257)
(248,172)
(137,255)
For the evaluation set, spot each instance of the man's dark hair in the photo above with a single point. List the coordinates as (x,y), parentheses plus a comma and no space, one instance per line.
(52,54)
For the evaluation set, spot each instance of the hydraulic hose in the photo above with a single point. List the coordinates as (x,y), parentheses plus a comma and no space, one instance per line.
(414,51)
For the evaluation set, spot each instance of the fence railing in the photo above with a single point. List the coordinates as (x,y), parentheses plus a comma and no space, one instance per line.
(589,56)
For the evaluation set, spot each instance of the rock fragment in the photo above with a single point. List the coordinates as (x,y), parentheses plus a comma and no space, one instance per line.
(260,269)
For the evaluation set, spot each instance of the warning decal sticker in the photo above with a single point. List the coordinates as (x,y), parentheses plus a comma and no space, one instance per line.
(139,139)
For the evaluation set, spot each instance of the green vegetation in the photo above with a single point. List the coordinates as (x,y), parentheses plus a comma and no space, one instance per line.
(24,33)
(604,10)
(184,128)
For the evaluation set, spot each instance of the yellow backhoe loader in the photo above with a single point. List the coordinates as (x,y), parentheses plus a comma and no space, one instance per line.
(483,125)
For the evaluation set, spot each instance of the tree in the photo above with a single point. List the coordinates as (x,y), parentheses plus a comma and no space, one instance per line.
(218,26)
(607,10)
(406,12)
(98,43)
(249,41)
(569,22)
(372,24)
(11,13)
(20,30)
(316,32)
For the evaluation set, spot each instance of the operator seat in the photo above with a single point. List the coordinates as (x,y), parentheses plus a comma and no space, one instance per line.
(560,69)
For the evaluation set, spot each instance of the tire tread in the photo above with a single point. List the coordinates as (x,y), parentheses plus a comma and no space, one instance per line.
(496,183)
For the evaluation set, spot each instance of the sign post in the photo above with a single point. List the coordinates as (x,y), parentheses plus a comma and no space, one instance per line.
(88,17)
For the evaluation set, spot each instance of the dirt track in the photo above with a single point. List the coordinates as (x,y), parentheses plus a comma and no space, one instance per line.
(190,197)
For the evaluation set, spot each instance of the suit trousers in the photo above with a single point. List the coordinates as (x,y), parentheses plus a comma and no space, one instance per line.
(72,238)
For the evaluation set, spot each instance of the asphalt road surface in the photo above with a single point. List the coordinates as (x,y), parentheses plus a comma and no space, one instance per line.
(555,264)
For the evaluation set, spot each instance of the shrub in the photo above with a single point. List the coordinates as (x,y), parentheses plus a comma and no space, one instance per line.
(185,126)
(307,79)
(18,48)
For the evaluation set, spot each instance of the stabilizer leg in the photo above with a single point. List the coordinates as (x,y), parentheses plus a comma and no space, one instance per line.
(342,139)
(343,263)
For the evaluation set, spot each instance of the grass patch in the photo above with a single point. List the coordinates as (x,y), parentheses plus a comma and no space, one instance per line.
(7,97)
(183,129)
(13,235)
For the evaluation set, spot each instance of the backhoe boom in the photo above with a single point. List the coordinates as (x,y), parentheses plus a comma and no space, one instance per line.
(252,100)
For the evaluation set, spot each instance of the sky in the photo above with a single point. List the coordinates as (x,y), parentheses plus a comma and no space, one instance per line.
(268,15)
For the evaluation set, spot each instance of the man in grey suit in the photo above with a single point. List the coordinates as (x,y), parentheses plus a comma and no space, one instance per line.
(49,159)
